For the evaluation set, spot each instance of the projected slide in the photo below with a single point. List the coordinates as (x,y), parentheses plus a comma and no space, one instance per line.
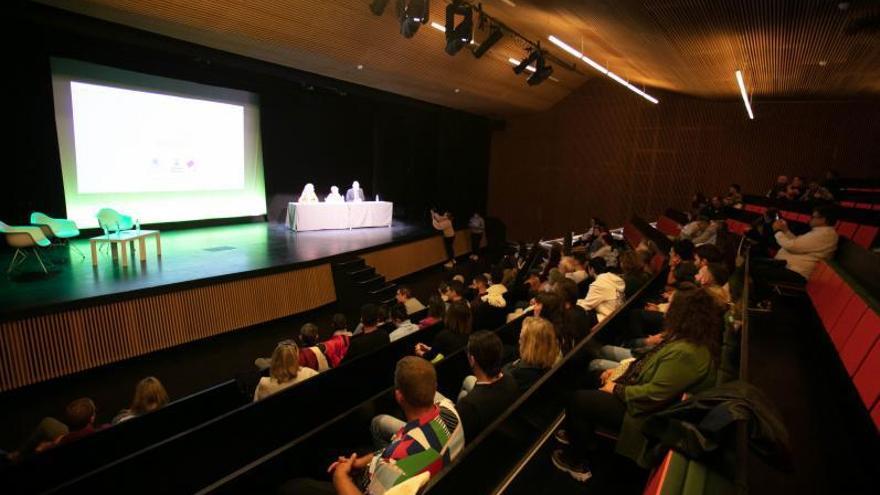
(133,141)
(157,149)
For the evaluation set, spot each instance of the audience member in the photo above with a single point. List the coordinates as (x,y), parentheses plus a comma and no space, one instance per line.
(339,325)
(79,422)
(779,188)
(489,306)
(455,291)
(713,278)
(734,197)
(698,203)
(816,193)
(715,208)
(606,291)
(403,326)
(573,267)
(695,227)
(431,438)
(681,252)
(371,339)
(705,254)
(709,235)
(634,274)
(608,250)
(538,352)
(548,305)
(492,391)
(576,321)
(553,259)
(436,312)
(285,371)
(454,336)
(149,395)
(685,361)
(404,296)
(801,253)
(760,236)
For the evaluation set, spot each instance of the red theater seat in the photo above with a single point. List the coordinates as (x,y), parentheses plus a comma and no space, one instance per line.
(852,313)
(822,299)
(867,378)
(861,341)
(803,218)
(865,235)
(668,226)
(846,229)
(657,262)
(838,301)
(847,204)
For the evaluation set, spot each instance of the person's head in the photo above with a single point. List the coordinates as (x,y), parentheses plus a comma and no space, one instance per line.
(713,274)
(334,190)
(339,322)
(716,202)
(79,414)
(797,181)
(782,180)
(456,290)
(538,345)
(355,185)
(548,305)
(596,222)
(403,294)
(734,189)
(567,264)
(436,307)
(443,290)
(399,314)
(702,220)
(369,315)
(597,266)
(580,261)
(824,215)
(694,315)
(309,335)
(567,290)
(382,314)
(285,361)
(149,395)
(685,273)
(683,249)
(415,383)
(497,275)
(310,188)
(631,262)
(480,283)
(554,276)
(484,350)
(813,185)
(707,253)
(458,318)
(534,280)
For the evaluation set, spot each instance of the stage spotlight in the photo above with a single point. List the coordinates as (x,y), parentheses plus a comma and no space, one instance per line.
(495,35)
(542,71)
(412,14)
(377,7)
(457,36)
(533,56)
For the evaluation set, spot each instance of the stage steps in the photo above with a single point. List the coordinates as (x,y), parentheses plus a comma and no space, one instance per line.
(358,283)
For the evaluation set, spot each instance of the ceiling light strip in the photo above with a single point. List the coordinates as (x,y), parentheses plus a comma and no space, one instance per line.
(592,63)
(742,90)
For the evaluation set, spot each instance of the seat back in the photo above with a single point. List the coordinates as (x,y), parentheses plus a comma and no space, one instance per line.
(24,237)
(111,220)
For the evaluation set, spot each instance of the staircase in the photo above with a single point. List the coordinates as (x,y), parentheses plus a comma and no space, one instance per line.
(358,283)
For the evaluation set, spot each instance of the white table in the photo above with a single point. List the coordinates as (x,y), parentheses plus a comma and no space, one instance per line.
(324,216)
(123,239)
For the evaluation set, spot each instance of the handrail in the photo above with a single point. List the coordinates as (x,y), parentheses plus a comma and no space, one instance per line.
(742,432)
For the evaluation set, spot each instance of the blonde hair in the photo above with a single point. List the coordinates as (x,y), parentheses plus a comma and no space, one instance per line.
(567,264)
(285,362)
(149,395)
(537,343)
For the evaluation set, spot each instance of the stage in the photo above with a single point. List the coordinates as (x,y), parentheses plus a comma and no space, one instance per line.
(208,281)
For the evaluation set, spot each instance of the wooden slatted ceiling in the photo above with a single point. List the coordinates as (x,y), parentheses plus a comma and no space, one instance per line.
(687,46)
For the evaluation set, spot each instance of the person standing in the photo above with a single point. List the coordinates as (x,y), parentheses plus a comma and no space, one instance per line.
(478,228)
(443,223)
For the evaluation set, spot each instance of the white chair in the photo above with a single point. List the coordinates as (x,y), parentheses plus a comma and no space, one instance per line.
(59,228)
(23,238)
(110,219)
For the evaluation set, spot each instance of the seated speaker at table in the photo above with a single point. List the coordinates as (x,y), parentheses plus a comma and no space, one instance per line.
(308,195)
(355,194)
(334,196)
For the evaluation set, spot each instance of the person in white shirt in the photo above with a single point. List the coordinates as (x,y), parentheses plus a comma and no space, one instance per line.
(694,228)
(308,195)
(477,226)
(404,296)
(443,223)
(573,267)
(284,371)
(606,291)
(802,252)
(334,196)
(402,322)
(355,194)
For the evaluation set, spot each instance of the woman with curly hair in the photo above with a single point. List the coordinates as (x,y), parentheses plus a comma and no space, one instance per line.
(685,362)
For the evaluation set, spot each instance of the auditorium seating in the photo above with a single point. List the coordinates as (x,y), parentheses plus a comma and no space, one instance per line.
(849,314)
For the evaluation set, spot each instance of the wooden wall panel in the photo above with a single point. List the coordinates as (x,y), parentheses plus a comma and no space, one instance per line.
(48,346)
(399,261)
(608,153)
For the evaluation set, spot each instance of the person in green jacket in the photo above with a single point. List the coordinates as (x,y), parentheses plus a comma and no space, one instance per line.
(685,362)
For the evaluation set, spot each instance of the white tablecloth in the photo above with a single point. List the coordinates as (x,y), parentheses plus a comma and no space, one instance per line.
(322,216)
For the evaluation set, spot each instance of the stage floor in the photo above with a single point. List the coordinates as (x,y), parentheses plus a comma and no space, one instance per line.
(199,255)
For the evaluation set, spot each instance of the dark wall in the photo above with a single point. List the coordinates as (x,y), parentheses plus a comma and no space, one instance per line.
(605,152)
(314,129)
